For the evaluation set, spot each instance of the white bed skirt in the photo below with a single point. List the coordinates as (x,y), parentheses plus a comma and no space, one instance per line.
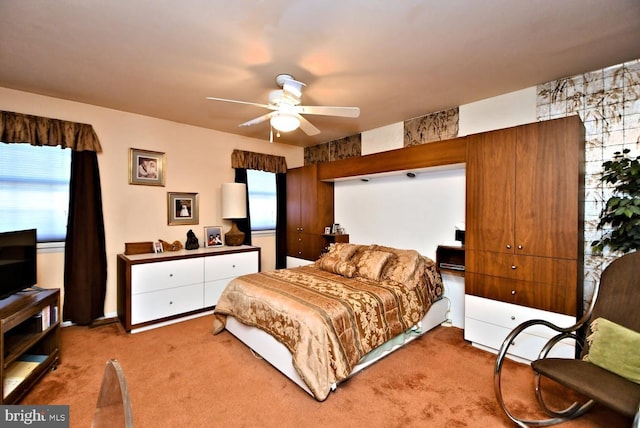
(279,356)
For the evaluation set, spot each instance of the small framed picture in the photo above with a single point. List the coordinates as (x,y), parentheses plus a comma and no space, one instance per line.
(327,230)
(335,228)
(182,208)
(213,236)
(146,167)
(157,247)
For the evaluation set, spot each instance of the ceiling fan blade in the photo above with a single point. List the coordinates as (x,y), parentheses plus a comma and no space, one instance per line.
(257,120)
(307,126)
(329,111)
(242,102)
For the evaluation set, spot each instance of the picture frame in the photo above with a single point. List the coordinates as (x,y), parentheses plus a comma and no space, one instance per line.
(182,208)
(327,230)
(157,247)
(146,167)
(213,236)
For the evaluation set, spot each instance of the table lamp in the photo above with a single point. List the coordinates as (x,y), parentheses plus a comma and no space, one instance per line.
(234,207)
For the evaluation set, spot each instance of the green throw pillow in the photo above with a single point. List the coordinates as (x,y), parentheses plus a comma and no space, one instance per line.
(614,348)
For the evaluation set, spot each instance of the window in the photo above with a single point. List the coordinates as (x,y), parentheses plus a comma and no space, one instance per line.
(262,199)
(34,189)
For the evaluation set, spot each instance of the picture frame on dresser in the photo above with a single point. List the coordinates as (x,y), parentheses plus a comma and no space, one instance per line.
(213,236)
(182,208)
(146,167)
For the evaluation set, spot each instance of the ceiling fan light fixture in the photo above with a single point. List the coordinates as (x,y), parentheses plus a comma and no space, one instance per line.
(285,122)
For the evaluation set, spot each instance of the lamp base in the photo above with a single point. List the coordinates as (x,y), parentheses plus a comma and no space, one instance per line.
(234,236)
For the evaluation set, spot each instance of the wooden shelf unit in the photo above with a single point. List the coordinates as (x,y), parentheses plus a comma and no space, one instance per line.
(29,340)
(450,259)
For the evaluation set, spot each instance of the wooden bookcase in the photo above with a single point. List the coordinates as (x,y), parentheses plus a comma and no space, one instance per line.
(29,340)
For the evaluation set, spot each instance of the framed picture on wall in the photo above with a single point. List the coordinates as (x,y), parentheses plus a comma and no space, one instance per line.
(213,236)
(146,167)
(182,208)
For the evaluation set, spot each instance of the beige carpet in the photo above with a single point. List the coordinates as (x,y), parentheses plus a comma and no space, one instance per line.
(183,376)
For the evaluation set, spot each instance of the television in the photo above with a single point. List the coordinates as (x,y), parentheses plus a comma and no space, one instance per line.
(18,267)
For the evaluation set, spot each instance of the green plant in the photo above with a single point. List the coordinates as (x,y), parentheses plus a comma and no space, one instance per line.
(622,210)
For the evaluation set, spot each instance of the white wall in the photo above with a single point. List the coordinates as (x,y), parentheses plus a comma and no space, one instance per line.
(418,213)
(512,109)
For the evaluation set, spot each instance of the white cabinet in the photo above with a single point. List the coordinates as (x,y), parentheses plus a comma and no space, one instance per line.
(218,271)
(488,322)
(155,289)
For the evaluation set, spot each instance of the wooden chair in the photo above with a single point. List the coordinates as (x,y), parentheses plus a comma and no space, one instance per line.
(616,298)
(113,409)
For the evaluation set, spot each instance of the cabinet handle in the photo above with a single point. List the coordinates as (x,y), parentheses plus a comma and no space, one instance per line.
(170,275)
(233,266)
(171,302)
(514,267)
(513,292)
(508,246)
(519,247)
(513,318)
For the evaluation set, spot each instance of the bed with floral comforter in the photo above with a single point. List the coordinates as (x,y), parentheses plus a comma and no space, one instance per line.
(331,313)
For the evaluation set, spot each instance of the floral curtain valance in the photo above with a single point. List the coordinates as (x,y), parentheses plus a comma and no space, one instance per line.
(258,161)
(43,131)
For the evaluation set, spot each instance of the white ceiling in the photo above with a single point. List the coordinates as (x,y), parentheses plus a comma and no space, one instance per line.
(394,59)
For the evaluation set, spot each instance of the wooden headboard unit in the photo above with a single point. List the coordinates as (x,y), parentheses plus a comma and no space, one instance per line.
(440,153)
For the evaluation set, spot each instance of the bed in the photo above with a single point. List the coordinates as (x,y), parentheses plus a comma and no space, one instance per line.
(319,324)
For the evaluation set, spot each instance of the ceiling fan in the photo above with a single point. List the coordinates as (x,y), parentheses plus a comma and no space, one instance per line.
(286,111)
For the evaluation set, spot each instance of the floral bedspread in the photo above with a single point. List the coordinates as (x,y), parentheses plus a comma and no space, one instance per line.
(329,321)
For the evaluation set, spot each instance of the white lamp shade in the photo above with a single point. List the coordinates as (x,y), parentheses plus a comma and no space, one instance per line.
(285,122)
(234,200)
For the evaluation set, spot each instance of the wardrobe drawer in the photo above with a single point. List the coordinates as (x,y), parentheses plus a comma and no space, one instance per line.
(526,346)
(509,315)
(488,322)
(230,265)
(165,303)
(542,270)
(162,275)
(549,297)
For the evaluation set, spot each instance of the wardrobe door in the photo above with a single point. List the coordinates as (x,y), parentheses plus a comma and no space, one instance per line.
(491,181)
(547,189)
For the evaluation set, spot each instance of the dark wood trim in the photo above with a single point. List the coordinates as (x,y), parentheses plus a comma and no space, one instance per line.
(440,153)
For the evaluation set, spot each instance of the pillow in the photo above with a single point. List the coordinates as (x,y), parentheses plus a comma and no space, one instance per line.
(342,250)
(333,264)
(614,348)
(405,267)
(371,263)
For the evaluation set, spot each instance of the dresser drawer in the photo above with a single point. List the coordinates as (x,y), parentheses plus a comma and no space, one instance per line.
(162,275)
(213,290)
(165,303)
(230,265)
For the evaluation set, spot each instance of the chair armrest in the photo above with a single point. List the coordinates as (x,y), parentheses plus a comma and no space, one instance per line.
(563,332)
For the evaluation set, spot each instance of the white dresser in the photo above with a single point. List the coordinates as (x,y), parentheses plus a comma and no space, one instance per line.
(156,289)
(487,323)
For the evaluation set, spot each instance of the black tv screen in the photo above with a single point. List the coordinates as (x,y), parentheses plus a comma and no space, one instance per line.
(18,267)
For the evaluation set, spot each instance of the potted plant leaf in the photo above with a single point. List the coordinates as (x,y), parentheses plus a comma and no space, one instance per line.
(622,210)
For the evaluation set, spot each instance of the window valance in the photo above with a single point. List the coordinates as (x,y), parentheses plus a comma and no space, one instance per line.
(43,131)
(258,161)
